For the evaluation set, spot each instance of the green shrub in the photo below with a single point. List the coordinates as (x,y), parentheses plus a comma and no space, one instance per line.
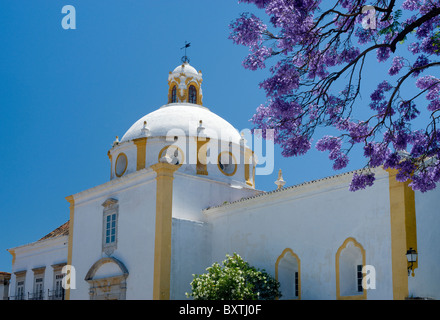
(235,279)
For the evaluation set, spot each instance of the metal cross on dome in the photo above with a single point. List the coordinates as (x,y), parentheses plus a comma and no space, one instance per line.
(185,57)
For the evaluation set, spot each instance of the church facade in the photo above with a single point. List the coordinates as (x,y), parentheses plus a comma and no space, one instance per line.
(182,195)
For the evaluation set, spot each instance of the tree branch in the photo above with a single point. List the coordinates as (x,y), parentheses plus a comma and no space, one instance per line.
(426,17)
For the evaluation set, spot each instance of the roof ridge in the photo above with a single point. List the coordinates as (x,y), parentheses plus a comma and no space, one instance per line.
(284,189)
(62,230)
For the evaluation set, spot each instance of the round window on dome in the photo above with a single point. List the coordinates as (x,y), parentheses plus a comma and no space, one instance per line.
(174,153)
(121,164)
(227,163)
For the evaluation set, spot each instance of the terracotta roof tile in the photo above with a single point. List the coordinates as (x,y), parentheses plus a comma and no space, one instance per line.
(62,230)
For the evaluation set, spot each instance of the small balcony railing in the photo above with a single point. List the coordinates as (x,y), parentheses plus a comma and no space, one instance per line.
(55,294)
(39,295)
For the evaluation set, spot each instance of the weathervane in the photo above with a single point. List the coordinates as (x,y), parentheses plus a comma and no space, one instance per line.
(185,57)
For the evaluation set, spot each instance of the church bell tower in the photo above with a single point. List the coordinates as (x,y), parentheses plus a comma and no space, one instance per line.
(185,83)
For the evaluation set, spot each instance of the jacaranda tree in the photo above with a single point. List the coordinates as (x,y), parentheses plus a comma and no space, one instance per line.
(234,279)
(321,52)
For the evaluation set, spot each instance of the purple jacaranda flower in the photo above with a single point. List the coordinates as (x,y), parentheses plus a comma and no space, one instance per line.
(414,48)
(284,80)
(421,61)
(425,180)
(247,30)
(256,58)
(296,145)
(328,143)
(431,85)
(314,82)
(411,5)
(396,65)
(377,152)
(405,170)
(361,181)
(392,160)
(383,53)
(259,3)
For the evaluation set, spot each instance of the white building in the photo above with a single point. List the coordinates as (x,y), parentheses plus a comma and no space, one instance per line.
(182,195)
(4,285)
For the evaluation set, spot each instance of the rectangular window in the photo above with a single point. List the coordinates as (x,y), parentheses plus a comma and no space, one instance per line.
(38,289)
(110,230)
(110,226)
(20,290)
(58,293)
(359,278)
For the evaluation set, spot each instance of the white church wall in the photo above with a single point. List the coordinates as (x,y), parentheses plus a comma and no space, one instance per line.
(426,280)
(4,285)
(136,238)
(192,194)
(191,252)
(313,220)
(191,236)
(136,199)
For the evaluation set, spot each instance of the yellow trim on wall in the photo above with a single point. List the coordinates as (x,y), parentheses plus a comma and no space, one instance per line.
(12,252)
(248,153)
(403,232)
(299,268)
(171,84)
(362,296)
(162,242)
(184,97)
(70,244)
(202,161)
(141,147)
(197,86)
(111,164)
(233,160)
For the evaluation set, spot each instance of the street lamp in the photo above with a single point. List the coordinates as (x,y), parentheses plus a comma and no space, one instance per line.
(411,255)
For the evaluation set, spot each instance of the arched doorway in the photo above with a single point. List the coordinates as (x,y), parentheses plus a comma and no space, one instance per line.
(107,280)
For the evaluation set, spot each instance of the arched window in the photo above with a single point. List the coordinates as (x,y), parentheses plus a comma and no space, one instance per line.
(287,272)
(174,95)
(350,258)
(192,97)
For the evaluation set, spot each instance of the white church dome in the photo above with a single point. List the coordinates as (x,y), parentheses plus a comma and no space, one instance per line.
(185,68)
(183,119)
(185,132)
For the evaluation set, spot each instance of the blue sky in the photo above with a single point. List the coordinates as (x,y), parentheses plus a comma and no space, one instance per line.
(66,94)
